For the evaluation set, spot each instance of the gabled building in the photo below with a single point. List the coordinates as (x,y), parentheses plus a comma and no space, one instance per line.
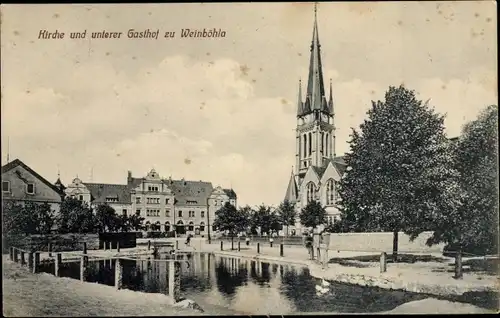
(22,184)
(317,168)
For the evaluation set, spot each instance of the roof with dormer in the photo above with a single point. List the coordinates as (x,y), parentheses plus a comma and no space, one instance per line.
(101,192)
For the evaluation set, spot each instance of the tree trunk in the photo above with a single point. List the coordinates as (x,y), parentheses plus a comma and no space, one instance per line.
(287,230)
(458,264)
(232,242)
(395,246)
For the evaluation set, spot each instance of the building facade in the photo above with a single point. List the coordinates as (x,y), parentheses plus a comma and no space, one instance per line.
(166,205)
(317,168)
(22,184)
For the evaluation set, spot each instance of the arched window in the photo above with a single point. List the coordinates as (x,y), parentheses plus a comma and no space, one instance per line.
(322,143)
(330,192)
(327,148)
(310,144)
(310,192)
(191,226)
(304,148)
(148,226)
(167,226)
(202,226)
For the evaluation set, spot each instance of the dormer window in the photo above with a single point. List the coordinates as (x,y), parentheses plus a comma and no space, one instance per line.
(5,186)
(111,199)
(30,188)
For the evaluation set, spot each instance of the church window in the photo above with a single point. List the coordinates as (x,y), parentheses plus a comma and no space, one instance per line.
(323,142)
(330,192)
(304,151)
(310,144)
(310,192)
(327,150)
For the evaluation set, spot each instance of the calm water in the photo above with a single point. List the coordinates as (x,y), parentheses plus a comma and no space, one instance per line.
(245,286)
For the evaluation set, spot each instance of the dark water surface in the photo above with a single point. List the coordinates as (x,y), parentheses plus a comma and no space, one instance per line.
(244,286)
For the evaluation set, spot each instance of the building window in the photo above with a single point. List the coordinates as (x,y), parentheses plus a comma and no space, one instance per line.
(191,202)
(310,192)
(124,211)
(167,227)
(153,200)
(137,199)
(80,197)
(166,201)
(191,226)
(5,186)
(167,213)
(30,188)
(152,212)
(191,214)
(180,213)
(202,214)
(310,144)
(111,199)
(202,226)
(138,211)
(153,188)
(330,192)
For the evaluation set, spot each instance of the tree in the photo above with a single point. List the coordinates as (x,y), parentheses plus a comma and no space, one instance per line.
(474,226)
(247,213)
(13,218)
(75,216)
(229,219)
(400,174)
(40,216)
(312,215)
(287,214)
(266,219)
(135,222)
(106,218)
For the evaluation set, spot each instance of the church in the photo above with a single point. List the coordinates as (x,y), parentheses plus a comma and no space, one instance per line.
(317,169)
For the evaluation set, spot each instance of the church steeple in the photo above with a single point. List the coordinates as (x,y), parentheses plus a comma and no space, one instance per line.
(330,100)
(315,86)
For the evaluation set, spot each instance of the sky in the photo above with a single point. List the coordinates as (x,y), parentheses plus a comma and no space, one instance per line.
(223,109)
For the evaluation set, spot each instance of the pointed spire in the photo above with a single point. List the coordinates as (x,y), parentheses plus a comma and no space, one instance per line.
(300,104)
(292,190)
(315,86)
(330,100)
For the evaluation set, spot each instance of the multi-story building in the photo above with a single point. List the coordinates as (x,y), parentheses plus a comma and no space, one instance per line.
(22,184)
(166,205)
(317,169)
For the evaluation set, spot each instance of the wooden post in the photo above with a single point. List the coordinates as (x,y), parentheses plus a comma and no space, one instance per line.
(23,260)
(11,253)
(15,255)
(57,267)
(149,245)
(221,245)
(177,244)
(49,248)
(383,262)
(281,249)
(118,247)
(239,246)
(105,245)
(458,265)
(84,247)
(83,267)
(258,248)
(271,243)
(31,258)
(118,274)
(232,244)
(174,281)
(36,262)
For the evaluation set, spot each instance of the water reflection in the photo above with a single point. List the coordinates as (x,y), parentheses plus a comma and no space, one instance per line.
(244,286)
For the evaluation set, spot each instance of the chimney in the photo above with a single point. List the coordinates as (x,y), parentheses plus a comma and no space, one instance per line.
(129,177)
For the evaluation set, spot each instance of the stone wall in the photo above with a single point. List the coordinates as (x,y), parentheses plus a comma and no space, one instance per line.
(381,242)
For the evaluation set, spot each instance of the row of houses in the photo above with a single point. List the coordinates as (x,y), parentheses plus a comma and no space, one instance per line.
(166,204)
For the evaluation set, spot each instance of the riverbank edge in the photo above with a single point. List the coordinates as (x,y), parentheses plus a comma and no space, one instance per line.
(368,281)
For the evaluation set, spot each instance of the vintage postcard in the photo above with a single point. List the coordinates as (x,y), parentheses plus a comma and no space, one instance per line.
(249,158)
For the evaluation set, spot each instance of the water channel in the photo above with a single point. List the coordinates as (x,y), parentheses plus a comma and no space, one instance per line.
(244,286)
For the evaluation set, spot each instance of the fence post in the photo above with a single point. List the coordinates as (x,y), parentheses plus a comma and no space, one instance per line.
(149,245)
(258,248)
(83,267)
(118,247)
(15,254)
(36,262)
(84,247)
(174,281)
(232,244)
(221,245)
(57,267)
(31,258)
(239,246)
(383,262)
(105,245)
(49,248)
(281,249)
(23,259)
(458,265)
(177,244)
(11,253)
(271,243)
(118,274)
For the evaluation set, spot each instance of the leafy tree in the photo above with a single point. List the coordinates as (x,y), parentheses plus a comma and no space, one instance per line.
(135,222)
(229,219)
(247,213)
(266,219)
(287,214)
(474,226)
(106,218)
(40,217)
(400,174)
(312,215)
(13,218)
(75,216)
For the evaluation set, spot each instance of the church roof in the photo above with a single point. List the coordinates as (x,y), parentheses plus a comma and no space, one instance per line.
(315,85)
(292,190)
(230,193)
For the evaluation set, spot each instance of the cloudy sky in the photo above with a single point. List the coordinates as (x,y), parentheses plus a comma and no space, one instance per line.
(223,110)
